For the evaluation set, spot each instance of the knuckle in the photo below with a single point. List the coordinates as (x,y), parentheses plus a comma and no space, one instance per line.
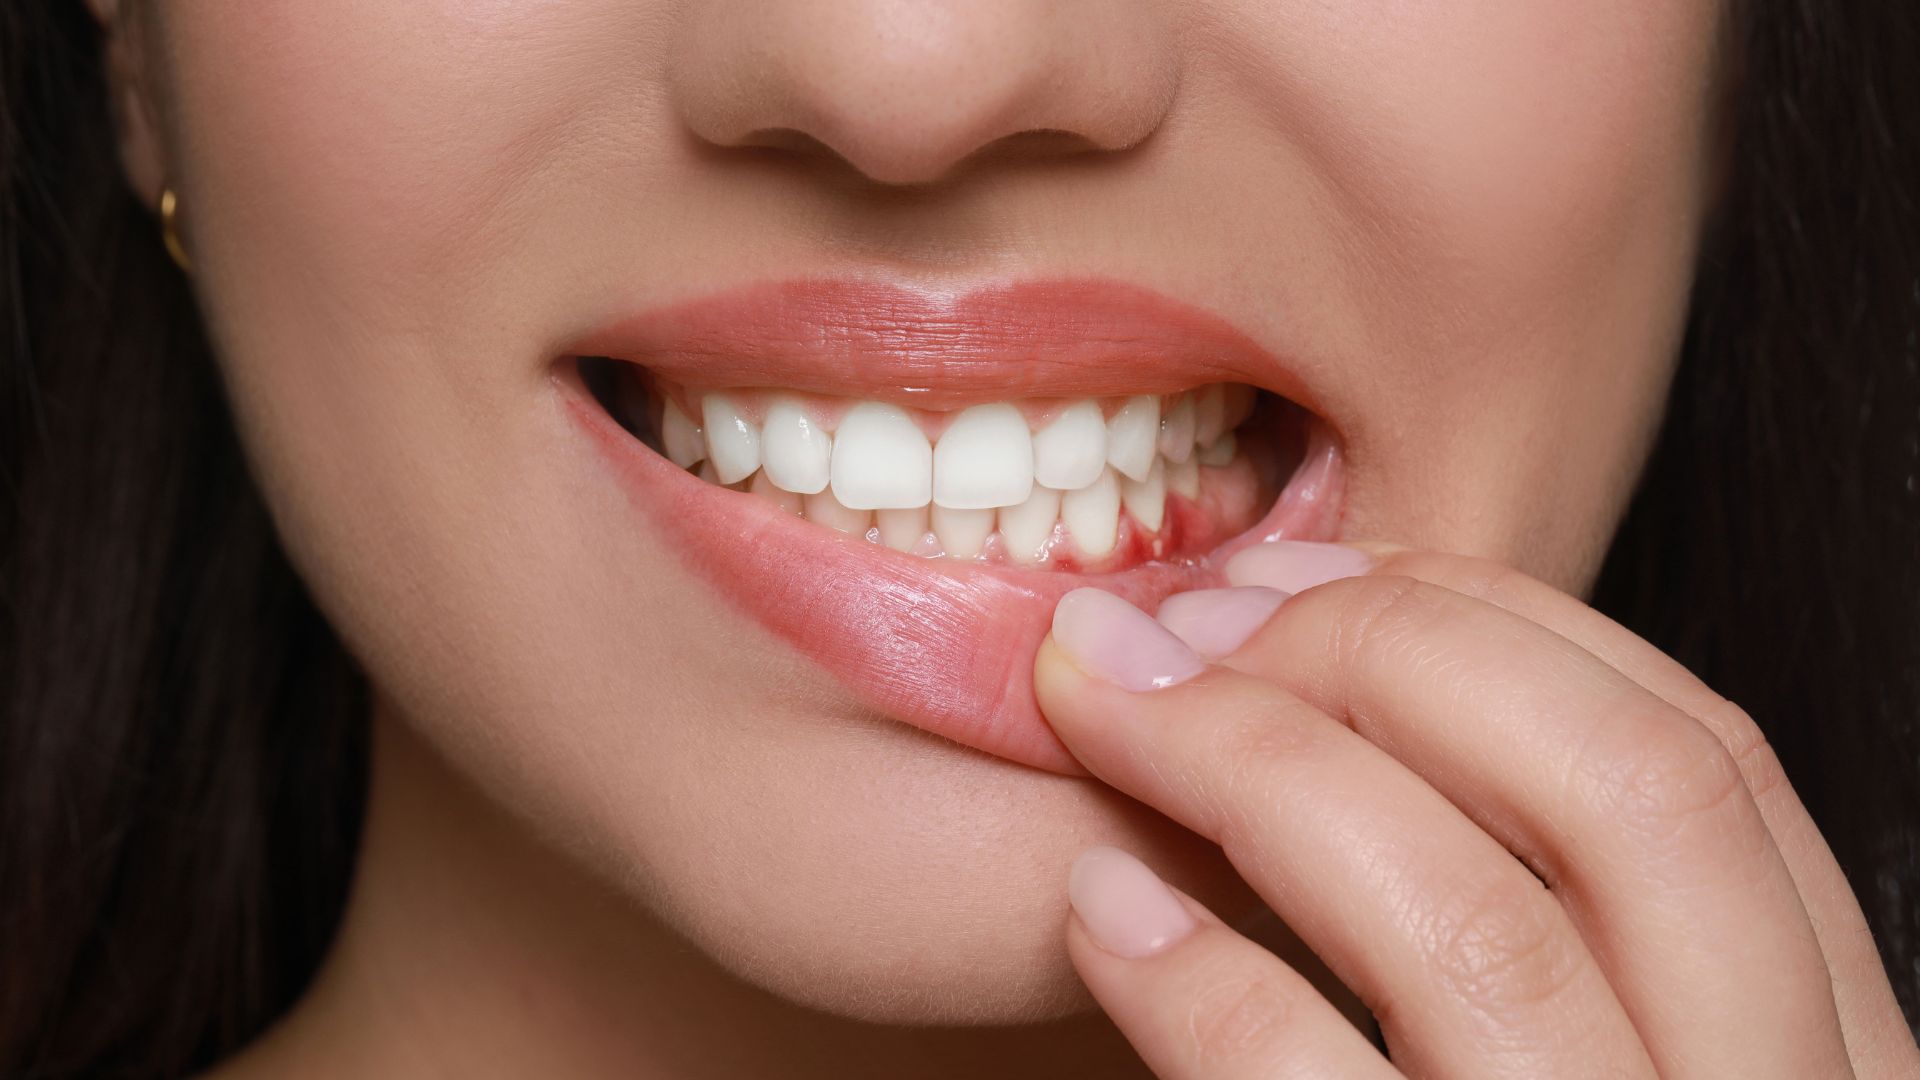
(1381,615)
(1664,779)
(1506,951)
(1759,766)
(1480,579)
(1236,1017)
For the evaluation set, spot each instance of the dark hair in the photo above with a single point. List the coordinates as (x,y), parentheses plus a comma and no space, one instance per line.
(183,738)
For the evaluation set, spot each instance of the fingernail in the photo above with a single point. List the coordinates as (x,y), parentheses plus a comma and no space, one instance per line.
(1295,565)
(1216,622)
(1113,640)
(1126,908)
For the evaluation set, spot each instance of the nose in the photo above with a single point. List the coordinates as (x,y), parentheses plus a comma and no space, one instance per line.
(905,90)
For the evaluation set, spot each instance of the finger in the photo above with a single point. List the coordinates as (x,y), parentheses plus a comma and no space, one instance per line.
(1630,809)
(1194,998)
(1878,1039)
(1471,967)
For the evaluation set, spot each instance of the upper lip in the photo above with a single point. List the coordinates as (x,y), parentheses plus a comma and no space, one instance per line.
(1070,337)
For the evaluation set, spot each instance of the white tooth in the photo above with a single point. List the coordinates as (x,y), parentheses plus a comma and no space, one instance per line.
(880,459)
(733,443)
(1071,451)
(984,460)
(901,529)
(707,473)
(1220,451)
(1183,478)
(1025,529)
(798,453)
(765,488)
(824,509)
(1131,435)
(962,533)
(1092,514)
(681,437)
(1146,499)
(1176,430)
(1209,414)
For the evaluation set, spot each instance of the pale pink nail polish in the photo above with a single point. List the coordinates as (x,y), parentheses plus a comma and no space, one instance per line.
(1113,640)
(1216,622)
(1127,910)
(1295,565)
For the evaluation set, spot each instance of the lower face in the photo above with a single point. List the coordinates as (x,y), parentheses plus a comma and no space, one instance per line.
(704,504)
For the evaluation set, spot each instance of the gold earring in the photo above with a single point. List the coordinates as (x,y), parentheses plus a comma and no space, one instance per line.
(169,233)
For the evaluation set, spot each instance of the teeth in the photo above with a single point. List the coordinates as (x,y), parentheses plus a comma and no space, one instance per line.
(1092,514)
(876,474)
(1071,451)
(1220,451)
(1027,528)
(823,509)
(681,437)
(1209,414)
(797,452)
(984,460)
(733,443)
(881,460)
(962,533)
(1176,430)
(1131,435)
(764,487)
(902,529)
(1146,499)
(1183,478)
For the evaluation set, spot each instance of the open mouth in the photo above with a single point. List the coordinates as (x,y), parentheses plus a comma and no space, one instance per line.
(1093,485)
(901,484)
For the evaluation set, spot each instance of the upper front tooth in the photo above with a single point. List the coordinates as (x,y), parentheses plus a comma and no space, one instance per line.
(733,443)
(1071,451)
(680,437)
(1176,431)
(798,452)
(881,460)
(1131,435)
(984,460)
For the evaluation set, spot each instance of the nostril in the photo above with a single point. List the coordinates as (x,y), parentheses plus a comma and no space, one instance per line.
(904,93)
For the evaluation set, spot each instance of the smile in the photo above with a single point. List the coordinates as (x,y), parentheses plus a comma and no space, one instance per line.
(901,484)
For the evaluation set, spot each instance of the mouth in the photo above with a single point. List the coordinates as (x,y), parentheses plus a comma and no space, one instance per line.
(901,484)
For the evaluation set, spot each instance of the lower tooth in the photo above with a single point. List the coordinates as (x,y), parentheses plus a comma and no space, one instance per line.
(764,487)
(1146,499)
(824,509)
(1183,478)
(962,533)
(1220,451)
(1025,529)
(901,530)
(1092,515)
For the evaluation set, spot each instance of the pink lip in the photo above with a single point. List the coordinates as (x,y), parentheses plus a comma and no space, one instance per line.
(947,647)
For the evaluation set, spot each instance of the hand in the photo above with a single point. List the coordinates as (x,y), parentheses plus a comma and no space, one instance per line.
(1528,841)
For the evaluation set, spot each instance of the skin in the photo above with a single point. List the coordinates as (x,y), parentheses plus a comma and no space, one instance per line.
(613,824)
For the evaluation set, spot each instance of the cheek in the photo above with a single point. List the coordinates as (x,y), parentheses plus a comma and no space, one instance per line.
(1512,195)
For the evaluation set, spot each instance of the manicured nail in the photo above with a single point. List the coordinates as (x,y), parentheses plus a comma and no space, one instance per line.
(1127,910)
(1295,565)
(1113,640)
(1216,622)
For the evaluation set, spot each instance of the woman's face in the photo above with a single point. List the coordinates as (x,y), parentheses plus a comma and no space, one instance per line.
(1459,234)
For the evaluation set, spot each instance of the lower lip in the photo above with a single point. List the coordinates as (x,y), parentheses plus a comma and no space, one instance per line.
(945,646)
